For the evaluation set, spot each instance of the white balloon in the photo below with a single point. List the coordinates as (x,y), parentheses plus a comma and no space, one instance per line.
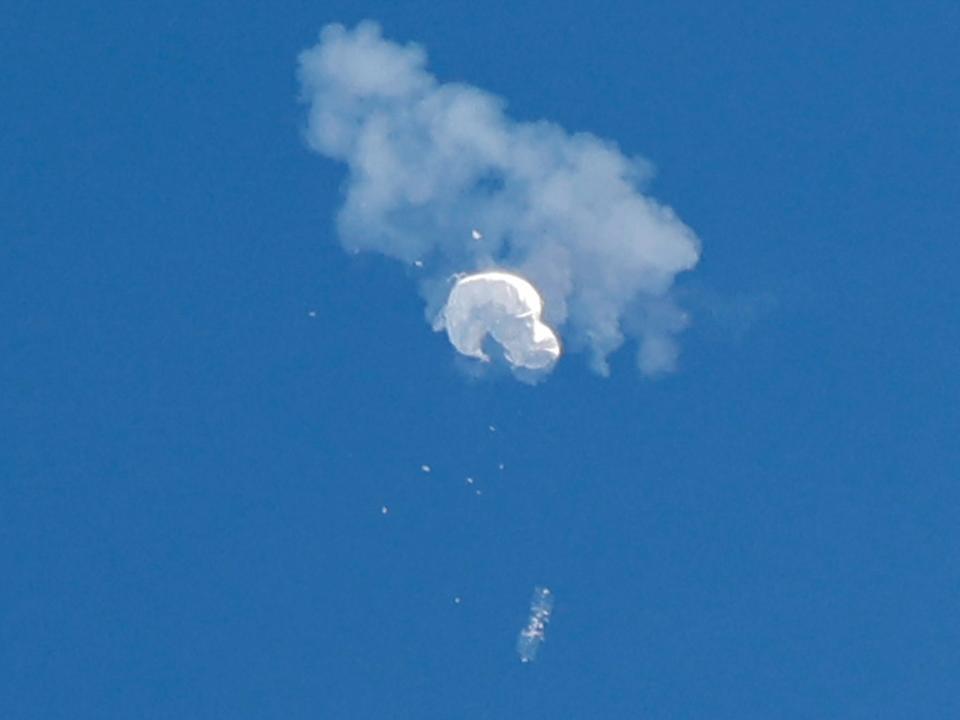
(506,307)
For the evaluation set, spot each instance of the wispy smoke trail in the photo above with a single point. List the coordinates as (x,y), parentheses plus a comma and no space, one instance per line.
(429,162)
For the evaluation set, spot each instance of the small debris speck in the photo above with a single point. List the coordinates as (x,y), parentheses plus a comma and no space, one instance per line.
(469,481)
(425,468)
(312,313)
(456,600)
(384,510)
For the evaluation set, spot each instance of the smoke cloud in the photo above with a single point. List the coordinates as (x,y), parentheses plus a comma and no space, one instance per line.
(429,162)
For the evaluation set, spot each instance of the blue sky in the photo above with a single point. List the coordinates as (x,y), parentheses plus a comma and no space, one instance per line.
(192,466)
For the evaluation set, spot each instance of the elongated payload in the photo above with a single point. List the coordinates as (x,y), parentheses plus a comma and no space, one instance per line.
(506,308)
(534,633)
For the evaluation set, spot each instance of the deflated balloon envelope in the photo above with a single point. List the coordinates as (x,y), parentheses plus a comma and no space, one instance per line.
(506,307)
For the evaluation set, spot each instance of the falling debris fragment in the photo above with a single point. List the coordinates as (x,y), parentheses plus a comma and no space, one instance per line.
(384,510)
(469,481)
(312,313)
(534,633)
(491,428)
(500,466)
(476,234)
(418,263)
(456,600)
(506,307)
(425,468)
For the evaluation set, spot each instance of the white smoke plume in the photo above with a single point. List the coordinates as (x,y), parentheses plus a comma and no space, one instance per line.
(440,178)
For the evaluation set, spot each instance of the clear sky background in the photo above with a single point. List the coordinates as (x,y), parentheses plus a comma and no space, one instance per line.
(192,466)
